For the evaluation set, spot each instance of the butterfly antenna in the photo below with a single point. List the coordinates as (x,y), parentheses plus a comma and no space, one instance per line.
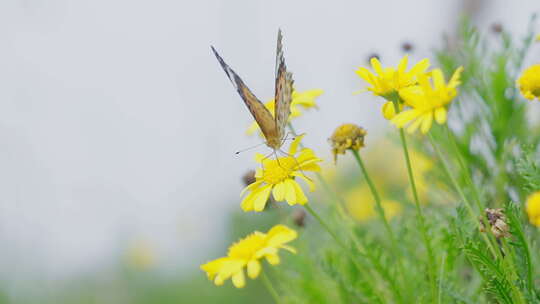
(249,148)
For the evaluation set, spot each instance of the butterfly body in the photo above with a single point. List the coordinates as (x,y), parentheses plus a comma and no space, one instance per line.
(272,126)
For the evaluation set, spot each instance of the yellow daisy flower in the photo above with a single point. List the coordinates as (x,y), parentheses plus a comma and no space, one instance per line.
(538,38)
(279,177)
(428,100)
(300,101)
(529,82)
(247,253)
(387,82)
(362,207)
(533,208)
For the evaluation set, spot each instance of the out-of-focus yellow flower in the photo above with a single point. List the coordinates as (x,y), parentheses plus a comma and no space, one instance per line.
(361,205)
(387,82)
(300,101)
(141,255)
(533,208)
(248,253)
(428,100)
(389,172)
(537,38)
(347,136)
(279,177)
(529,82)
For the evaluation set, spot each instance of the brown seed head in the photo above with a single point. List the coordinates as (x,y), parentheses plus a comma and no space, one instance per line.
(299,217)
(497,221)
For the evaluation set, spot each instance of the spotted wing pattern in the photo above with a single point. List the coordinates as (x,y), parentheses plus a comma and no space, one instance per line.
(262,116)
(284,88)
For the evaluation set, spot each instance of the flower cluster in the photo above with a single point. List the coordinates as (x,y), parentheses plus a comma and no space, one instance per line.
(427,100)
(414,98)
(388,82)
(248,253)
(278,176)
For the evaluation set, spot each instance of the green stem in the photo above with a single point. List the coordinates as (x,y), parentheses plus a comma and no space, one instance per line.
(432,266)
(461,193)
(326,227)
(511,268)
(441,276)
(380,210)
(340,203)
(270,287)
(465,170)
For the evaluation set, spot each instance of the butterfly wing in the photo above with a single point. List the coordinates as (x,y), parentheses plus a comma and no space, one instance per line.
(284,88)
(262,116)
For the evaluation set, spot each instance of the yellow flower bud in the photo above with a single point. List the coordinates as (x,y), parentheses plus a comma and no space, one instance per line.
(347,136)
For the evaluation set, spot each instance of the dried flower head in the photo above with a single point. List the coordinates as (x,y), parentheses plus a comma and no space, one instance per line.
(497,28)
(249,177)
(347,136)
(407,47)
(299,217)
(497,221)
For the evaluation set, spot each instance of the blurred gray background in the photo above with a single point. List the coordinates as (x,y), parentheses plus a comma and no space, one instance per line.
(117,124)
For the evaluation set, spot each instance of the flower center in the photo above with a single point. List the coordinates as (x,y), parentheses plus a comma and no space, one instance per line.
(536,91)
(277,170)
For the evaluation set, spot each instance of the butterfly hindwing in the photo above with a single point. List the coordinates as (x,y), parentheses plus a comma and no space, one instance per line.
(284,88)
(260,113)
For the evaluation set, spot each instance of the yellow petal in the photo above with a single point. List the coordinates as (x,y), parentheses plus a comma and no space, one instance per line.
(440,115)
(253,268)
(376,64)
(414,125)
(247,202)
(273,259)
(426,122)
(290,191)
(420,67)
(300,196)
(438,78)
(289,248)
(279,192)
(294,144)
(251,187)
(402,66)
(279,235)
(308,181)
(261,198)
(454,81)
(405,117)
(388,110)
(238,279)
(365,74)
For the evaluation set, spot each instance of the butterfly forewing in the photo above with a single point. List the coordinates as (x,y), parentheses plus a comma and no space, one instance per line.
(262,116)
(284,87)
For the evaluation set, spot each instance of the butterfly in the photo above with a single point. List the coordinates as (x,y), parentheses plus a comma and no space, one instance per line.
(272,126)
